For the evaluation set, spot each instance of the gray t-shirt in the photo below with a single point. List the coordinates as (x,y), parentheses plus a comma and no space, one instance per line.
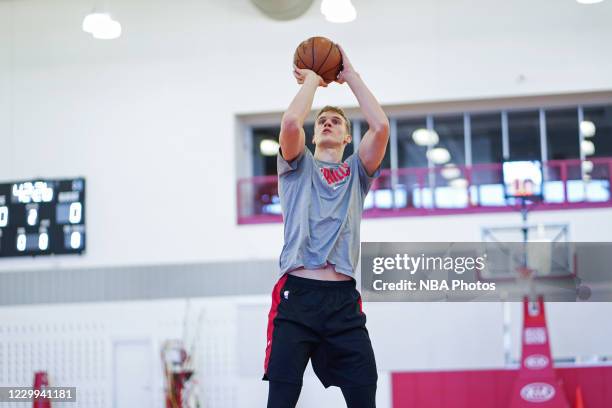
(322,204)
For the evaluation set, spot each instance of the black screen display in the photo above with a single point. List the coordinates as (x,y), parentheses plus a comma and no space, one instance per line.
(42,217)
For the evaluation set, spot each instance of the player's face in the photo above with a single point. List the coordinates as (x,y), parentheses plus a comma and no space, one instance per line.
(330,129)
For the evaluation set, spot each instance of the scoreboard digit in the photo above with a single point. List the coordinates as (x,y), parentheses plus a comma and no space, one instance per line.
(42,217)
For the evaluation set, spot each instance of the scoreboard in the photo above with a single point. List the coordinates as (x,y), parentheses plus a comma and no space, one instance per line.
(42,217)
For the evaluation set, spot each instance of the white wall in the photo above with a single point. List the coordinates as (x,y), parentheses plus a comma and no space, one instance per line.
(149,119)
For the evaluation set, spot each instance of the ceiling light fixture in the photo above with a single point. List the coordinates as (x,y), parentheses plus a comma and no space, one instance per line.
(268,147)
(450,171)
(438,155)
(587,147)
(425,137)
(101,25)
(109,31)
(94,20)
(338,11)
(587,128)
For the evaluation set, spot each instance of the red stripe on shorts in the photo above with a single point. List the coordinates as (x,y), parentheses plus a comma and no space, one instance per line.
(276,297)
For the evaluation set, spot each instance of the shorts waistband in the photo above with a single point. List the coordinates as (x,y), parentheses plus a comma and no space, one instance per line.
(316,283)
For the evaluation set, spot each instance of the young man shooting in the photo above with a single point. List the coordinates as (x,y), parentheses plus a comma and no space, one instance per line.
(316,310)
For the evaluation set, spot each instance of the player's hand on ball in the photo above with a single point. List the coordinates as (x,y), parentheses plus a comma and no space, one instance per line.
(301,75)
(347,67)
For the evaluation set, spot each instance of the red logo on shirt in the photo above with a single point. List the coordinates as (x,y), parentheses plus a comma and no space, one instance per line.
(336,176)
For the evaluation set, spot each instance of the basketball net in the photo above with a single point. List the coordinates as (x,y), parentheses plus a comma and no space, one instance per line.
(526,279)
(525,273)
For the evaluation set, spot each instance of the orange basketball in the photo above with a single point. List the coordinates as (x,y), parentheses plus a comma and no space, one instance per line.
(320,55)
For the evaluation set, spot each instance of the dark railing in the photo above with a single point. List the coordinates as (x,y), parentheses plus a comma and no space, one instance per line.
(472,189)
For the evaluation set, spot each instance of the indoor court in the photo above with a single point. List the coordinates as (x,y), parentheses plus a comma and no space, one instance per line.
(146,235)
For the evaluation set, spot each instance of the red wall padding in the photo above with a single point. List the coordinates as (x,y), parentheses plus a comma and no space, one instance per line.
(492,388)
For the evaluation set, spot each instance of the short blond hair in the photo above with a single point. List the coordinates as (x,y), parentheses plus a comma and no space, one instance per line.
(340,112)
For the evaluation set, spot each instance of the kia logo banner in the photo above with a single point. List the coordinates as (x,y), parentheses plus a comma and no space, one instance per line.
(536,362)
(537,392)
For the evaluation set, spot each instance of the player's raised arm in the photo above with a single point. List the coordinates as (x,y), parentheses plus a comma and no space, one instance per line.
(374,143)
(292,125)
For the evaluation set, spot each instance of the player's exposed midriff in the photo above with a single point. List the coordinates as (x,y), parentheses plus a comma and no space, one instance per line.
(327,273)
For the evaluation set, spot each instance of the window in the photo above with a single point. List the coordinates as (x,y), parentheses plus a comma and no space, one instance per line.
(486,138)
(597,123)
(562,139)
(524,135)
(451,132)
(409,154)
(423,179)
(486,141)
(263,164)
(596,129)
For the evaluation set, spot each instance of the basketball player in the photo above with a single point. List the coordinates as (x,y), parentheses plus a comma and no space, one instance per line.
(316,310)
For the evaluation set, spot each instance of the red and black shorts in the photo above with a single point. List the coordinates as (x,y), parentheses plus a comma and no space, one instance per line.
(322,321)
